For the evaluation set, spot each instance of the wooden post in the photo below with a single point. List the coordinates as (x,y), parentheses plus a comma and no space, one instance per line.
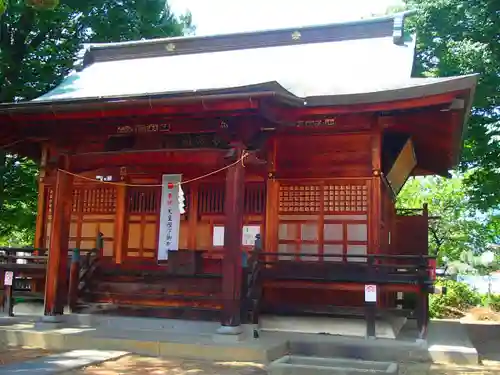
(231,264)
(8,289)
(120,224)
(74,278)
(371,306)
(57,265)
(376,190)
(422,300)
(192,216)
(272,197)
(99,243)
(41,217)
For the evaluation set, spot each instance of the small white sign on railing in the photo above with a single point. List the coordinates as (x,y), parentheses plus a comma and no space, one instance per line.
(8,278)
(370,293)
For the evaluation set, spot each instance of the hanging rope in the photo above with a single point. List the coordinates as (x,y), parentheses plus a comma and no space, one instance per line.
(240,160)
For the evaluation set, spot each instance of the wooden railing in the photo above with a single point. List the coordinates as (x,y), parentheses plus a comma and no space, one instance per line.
(371,268)
(415,271)
(26,267)
(253,293)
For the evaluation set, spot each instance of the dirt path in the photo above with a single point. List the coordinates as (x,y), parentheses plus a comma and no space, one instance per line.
(9,354)
(138,365)
(488,368)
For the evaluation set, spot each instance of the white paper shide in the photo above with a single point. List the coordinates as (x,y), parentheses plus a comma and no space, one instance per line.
(170,215)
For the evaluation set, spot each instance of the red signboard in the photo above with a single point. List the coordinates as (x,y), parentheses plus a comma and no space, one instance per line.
(432,269)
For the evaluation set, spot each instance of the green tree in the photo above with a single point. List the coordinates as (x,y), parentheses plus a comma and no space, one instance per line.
(39,42)
(456,226)
(462,37)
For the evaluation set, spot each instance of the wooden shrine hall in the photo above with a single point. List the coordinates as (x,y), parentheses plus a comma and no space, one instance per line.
(231,176)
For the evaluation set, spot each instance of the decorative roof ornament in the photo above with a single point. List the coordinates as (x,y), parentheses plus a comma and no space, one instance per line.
(296,35)
(170,47)
(398,28)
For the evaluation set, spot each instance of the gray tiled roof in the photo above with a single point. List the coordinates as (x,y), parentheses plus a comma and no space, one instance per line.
(338,59)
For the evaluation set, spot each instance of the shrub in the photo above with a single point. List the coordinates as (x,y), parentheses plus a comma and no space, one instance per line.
(494,301)
(458,299)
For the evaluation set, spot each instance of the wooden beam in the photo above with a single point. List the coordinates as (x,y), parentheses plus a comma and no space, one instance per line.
(41,218)
(376,189)
(121,216)
(202,107)
(272,201)
(57,267)
(193,215)
(287,114)
(232,272)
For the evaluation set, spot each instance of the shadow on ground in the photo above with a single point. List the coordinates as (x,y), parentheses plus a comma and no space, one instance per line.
(137,365)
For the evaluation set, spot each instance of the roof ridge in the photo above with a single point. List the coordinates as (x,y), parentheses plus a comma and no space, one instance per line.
(390,25)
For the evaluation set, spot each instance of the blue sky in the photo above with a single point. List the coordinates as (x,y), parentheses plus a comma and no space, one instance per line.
(228,16)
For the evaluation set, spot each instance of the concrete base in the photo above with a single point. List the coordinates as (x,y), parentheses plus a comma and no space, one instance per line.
(448,341)
(47,322)
(227,334)
(386,328)
(168,343)
(297,365)
(229,330)
(52,319)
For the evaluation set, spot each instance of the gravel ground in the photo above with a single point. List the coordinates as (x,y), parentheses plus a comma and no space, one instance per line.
(9,354)
(138,365)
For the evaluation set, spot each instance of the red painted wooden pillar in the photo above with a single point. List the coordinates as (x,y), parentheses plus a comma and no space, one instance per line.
(232,262)
(56,278)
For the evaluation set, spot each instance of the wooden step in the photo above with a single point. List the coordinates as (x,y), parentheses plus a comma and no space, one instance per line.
(159,287)
(166,312)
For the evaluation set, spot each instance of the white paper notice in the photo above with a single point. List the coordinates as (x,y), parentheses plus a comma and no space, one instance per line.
(249,233)
(370,293)
(8,278)
(170,216)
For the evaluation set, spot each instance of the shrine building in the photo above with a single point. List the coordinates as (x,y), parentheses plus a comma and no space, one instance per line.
(184,154)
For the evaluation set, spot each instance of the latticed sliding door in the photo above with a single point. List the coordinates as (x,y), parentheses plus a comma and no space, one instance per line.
(93,212)
(210,230)
(143,210)
(143,218)
(324,220)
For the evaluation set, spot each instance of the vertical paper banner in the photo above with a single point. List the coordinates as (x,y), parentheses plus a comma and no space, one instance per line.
(170,216)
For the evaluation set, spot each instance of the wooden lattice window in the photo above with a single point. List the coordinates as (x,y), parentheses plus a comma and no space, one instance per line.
(211,199)
(98,200)
(327,220)
(335,198)
(345,198)
(144,200)
(255,198)
(50,200)
(76,200)
(88,200)
(75,204)
(300,199)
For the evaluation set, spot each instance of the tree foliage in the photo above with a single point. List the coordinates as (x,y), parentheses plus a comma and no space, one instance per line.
(456,227)
(462,37)
(458,300)
(39,42)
